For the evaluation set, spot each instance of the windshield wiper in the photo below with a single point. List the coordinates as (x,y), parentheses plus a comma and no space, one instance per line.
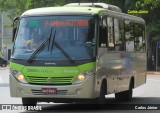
(47,41)
(40,47)
(61,49)
(37,50)
(50,36)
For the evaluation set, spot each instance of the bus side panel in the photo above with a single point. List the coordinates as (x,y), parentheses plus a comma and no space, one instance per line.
(133,66)
(119,67)
(140,68)
(104,69)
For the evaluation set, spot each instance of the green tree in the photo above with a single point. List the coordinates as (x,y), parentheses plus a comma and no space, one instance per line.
(16,7)
(152,18)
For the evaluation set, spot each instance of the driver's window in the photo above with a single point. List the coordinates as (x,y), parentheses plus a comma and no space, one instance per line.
(103,32)
(110,35)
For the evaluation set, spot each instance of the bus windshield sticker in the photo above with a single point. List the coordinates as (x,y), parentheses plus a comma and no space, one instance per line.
(33,23)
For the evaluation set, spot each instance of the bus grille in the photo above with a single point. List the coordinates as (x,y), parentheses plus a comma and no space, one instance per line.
(50,80)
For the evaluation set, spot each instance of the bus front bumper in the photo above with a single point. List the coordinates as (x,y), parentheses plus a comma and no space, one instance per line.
(85,90)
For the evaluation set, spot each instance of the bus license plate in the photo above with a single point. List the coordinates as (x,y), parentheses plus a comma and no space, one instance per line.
(49,90)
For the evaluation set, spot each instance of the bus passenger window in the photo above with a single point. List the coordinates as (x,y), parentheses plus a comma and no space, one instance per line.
(119,39)
(139,37)
(134,36)
(129,36)
(115,39)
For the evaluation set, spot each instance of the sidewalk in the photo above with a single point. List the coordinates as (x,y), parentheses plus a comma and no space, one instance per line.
(3,68)
(4,76)
(1,81)
(154,72)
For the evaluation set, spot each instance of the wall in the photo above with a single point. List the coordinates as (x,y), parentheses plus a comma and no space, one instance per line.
(5,35)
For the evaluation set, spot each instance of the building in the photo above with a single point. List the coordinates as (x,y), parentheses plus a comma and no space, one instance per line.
(5,36)
(1,16)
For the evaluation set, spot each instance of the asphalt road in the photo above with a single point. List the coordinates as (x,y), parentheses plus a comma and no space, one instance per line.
(144,97)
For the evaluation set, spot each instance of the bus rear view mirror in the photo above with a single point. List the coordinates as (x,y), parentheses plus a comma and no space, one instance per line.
(14,33)
(103,37)
(15,25)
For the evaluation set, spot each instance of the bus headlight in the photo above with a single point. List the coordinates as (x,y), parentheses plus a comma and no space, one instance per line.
(18,75)
(82,76)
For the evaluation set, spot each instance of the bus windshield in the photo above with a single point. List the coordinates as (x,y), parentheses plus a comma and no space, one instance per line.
(74,35)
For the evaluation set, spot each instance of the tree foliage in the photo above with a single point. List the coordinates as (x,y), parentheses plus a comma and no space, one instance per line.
(152,18)
(16,7)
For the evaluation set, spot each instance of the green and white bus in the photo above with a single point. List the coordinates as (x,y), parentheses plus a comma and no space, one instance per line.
(77,52)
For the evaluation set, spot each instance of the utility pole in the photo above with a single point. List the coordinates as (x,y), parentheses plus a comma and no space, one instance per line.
(1,33)
(157,55)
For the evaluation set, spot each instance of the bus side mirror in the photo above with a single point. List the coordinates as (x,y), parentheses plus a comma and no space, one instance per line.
(15,25)
(14,33)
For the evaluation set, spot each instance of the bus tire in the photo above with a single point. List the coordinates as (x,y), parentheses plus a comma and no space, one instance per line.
(103,91)
(29,102)
(125,95)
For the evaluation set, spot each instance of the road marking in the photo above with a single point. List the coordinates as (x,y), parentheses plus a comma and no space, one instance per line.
(1,80)
(4,85)
(153,79)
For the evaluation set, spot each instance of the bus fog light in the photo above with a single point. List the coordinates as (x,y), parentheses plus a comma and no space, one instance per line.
(78,91)
(21,90)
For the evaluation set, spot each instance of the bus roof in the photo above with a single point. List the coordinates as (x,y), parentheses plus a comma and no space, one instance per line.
(125,16)
(81,11)
(100,5)
(63,11)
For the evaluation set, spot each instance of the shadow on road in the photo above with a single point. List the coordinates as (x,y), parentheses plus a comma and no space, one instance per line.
(110,104)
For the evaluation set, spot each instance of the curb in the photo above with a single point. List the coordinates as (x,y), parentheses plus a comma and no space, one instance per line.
(3,68)
(153,72)
(4,84)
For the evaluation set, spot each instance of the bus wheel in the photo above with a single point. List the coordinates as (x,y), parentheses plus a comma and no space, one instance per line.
(125,95)
(29,102)
(103,91)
